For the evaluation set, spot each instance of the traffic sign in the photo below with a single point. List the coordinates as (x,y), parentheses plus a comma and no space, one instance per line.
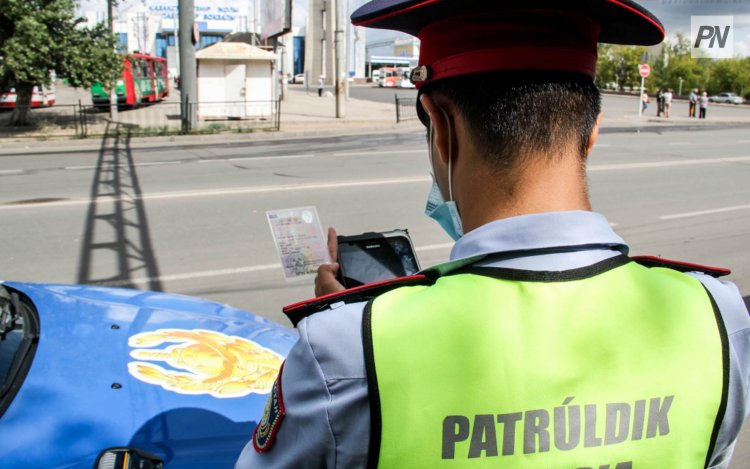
(644,70)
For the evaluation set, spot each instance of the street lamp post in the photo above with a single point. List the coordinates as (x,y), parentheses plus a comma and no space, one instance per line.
(679,91)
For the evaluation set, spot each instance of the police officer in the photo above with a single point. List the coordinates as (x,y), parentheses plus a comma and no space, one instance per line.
(541,344)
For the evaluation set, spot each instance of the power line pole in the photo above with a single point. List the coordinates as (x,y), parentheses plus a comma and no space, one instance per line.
(188,79)
(340,79)
(113,90)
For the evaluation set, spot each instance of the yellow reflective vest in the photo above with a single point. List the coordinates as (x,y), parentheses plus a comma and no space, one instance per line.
(615,365)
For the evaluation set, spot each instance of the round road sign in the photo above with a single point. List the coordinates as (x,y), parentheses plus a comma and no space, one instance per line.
(644,70)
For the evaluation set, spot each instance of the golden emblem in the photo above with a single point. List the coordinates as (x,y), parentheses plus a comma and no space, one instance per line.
(212,363)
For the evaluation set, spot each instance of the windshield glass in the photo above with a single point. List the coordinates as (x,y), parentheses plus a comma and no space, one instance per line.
(18,336)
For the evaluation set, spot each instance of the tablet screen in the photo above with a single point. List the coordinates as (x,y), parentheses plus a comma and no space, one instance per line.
(375,260)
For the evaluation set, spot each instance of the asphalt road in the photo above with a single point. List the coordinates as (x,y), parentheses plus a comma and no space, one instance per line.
(192,220)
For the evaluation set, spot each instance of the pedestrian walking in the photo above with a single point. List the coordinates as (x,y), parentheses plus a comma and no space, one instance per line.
(644,101)
(703,105)
(660,103)
(667,102)
(693,103)
(320,86)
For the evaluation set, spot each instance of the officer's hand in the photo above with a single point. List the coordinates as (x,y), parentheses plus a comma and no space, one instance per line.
(326,281)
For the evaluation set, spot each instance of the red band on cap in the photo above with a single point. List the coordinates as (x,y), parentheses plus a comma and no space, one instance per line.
(641,14)
(518,40)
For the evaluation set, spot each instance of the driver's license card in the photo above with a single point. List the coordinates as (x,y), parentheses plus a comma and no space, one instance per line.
(299,240)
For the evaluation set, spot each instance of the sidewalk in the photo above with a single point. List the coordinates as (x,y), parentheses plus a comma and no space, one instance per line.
(306,115)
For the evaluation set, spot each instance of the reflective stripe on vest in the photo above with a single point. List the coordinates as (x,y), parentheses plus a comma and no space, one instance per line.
(616,365)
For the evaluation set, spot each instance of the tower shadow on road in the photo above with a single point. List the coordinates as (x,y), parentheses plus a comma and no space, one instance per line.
(116,248)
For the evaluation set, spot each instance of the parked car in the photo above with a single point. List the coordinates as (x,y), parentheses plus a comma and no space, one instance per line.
(730,98)
(299,78)
(170,380)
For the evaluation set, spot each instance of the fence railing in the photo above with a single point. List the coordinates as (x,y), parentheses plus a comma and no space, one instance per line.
(406,109)
(163,118)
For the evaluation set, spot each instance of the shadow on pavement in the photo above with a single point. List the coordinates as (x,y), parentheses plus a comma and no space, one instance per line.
(116,246)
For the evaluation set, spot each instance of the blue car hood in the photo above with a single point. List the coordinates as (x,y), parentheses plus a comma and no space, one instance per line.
(173,375)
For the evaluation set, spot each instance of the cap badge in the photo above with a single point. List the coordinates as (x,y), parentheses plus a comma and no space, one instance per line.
(419,74)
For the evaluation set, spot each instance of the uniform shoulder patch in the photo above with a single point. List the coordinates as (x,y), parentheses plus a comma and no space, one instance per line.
(273,414)
(303,309)
(653,261)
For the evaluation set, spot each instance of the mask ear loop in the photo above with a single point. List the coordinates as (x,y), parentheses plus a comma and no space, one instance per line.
(430,152)
(450,155)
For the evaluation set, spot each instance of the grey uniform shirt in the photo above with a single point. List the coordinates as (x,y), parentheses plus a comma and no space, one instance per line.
(327,422)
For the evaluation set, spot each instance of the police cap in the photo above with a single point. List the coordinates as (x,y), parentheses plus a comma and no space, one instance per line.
(463,37)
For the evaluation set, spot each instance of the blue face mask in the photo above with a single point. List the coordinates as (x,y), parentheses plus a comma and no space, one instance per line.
(442,211)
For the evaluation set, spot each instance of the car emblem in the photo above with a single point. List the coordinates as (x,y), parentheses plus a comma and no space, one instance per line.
(203,362)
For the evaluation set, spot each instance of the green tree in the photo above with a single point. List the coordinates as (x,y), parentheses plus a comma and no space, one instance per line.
(730,75)
(619,64)
(675,63)
(41,36)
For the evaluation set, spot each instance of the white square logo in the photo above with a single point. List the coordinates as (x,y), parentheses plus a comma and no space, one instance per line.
(712,37)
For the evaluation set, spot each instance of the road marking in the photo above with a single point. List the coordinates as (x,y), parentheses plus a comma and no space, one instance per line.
(283,157)
(704,212)
(743,141)
(379,152)
(235,191)
(229,271)
(434,247)
(11,171)
(255,158)
(665,164)
(124,165)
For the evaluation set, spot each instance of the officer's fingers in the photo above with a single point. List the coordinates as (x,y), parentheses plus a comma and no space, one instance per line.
(326,282)
(333,244)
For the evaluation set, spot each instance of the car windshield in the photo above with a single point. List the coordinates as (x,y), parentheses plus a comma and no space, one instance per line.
(18,334)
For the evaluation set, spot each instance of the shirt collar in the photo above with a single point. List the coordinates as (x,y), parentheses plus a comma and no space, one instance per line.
(562,231)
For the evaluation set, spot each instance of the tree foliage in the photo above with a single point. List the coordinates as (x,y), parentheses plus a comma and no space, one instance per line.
(618,65)
(672,68)
(41,36)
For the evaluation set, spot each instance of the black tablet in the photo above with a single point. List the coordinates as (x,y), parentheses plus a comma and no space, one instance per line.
(374,257)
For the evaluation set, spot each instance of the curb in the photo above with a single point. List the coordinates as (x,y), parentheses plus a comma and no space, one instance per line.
(18,146)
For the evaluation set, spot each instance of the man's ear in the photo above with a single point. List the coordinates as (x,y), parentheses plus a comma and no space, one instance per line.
(443,130)
(594,134)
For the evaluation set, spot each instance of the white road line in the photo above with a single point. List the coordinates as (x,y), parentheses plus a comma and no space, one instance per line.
(704,212)
(434,247)
(665,164)
(230,271)
(77,168)
(11,171)
(379,152)
(255,158)
(235,191)
(283,157)
(743,141)
(125,165)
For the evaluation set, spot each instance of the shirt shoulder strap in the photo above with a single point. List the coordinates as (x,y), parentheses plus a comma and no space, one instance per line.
(653,261)
(298,311)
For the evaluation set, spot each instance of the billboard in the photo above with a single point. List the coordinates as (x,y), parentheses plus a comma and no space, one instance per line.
(275,17)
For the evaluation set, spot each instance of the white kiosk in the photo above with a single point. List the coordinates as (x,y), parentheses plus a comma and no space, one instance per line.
(235,81)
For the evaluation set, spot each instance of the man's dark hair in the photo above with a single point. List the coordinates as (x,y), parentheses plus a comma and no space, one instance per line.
(514,114)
